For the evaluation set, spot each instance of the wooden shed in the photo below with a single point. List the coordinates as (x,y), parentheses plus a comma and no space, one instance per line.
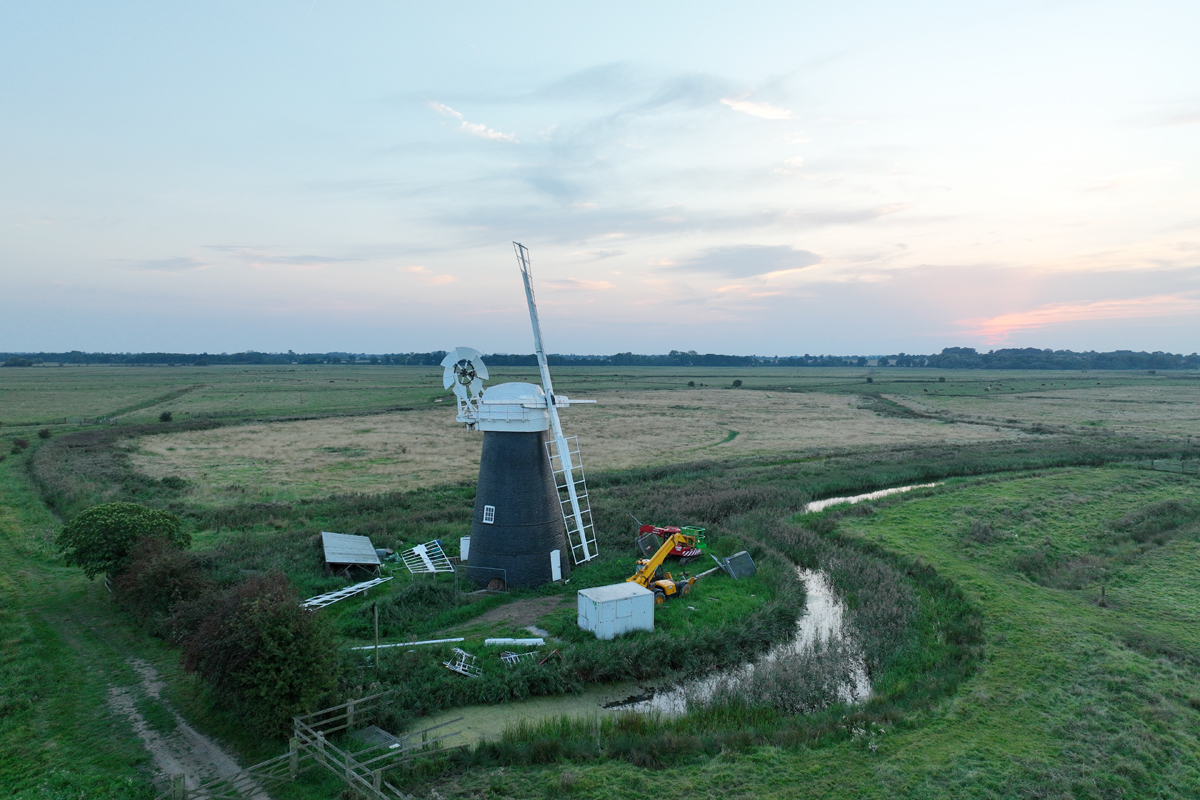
(345,551)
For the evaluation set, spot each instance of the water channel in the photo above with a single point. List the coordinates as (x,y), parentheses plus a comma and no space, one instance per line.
(824,619)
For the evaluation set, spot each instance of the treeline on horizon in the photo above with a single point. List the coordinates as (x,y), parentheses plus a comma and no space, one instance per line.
(949,358)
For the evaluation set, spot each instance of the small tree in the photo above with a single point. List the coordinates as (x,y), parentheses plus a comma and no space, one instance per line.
(737,384)
(44,433)
(165,416)
(255,645)
(100,539)
(159,577)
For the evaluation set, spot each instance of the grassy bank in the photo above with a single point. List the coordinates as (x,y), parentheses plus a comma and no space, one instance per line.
(1072,699)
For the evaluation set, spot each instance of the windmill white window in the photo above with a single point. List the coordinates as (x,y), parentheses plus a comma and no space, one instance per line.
(489,514)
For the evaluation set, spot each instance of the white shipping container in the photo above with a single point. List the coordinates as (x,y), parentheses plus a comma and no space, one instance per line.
(609,611)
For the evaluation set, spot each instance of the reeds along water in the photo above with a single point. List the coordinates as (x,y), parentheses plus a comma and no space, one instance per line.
(821,665)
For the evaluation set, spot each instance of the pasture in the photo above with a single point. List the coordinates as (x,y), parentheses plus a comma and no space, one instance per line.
(1052,650)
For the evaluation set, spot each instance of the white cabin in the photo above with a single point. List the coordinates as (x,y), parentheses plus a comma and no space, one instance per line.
(609,611)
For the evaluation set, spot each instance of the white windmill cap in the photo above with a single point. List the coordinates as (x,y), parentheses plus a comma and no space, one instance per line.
(516,407)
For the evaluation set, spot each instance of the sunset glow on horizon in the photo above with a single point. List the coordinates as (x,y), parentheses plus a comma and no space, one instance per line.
(770,179)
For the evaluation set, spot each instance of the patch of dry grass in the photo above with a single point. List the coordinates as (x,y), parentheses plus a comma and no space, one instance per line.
(1160,410)
(408,450)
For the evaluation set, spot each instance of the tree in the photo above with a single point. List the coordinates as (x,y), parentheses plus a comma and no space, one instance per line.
(159,577)
(737,384)
(254,645)
(165,416)
(101,538)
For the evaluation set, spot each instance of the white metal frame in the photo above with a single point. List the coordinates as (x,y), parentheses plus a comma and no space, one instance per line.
(329,598)
(582,549)
(426,559)
(573,499)
(464,664)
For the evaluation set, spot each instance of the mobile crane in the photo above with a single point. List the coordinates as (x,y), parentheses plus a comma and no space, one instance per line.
(647,573)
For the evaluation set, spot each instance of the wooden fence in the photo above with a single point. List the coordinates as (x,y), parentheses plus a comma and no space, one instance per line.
(1188,467)
(310,746)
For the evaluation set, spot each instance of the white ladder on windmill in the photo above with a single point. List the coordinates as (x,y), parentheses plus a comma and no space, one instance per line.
(573,496)
(563,453)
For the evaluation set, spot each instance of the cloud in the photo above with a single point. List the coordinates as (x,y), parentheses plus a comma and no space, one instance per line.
(444,109)
(997,329)
(473,128)
(428,274)
(790,165)
(181,264)
(262,257)
(762,110)
(568,284)
(746,260)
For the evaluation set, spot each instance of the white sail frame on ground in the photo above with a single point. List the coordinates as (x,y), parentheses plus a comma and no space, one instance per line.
(580,533)
(329,598)
(426,559)
(582,549)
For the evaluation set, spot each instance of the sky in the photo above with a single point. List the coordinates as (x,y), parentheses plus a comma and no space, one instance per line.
(749,178)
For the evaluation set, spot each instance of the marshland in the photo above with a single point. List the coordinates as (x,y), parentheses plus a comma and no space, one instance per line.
(1028,624)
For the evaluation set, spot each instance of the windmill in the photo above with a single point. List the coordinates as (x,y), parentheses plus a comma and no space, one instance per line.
(531,502)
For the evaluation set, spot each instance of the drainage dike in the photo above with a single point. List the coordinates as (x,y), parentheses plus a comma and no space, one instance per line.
(823,621)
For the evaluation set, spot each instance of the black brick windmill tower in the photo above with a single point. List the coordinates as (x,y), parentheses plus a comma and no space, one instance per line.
(531,502)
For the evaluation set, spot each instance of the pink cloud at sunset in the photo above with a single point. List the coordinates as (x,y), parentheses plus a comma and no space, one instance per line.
(997,329)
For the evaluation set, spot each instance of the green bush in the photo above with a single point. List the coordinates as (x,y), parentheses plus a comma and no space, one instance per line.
(101,538)
(159,577)
(164,416)
(259,651)
(1152,522)
(44,433)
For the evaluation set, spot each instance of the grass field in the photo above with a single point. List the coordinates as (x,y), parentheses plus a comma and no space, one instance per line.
(1077,694)
(1073,699)
(626,428)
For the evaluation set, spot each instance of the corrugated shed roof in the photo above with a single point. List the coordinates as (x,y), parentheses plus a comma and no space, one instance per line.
(345,548)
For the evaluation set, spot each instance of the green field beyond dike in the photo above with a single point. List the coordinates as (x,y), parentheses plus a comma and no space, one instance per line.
(1030,625)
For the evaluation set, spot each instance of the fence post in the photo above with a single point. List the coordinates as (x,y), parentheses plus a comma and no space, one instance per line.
(178,788)
(350,714)
(293,757)
(376,779)
(346,765)
(321,747)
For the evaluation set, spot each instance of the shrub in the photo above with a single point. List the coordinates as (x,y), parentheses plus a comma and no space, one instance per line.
(174,482)
(165,416)
(692,384)
(256,648)
(19,446)
(982,532)
(1152,521)
(159,577)
(101,538)
(737,384)
(870,380)
(44,433)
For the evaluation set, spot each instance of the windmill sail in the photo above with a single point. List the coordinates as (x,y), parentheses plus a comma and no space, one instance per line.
(562,452)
